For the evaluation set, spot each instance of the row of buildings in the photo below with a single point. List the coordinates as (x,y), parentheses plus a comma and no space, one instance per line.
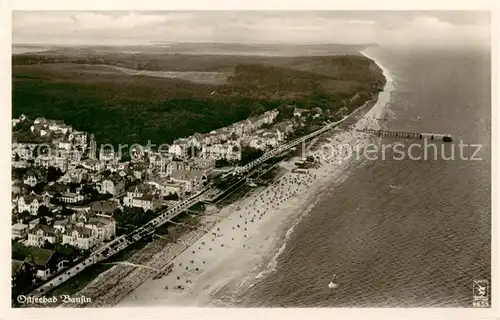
(226,142)
(40,264)
(150,180)
(83,230)
(143,182)
(135,184)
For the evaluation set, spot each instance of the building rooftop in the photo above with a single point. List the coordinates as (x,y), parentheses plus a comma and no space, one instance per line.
(30,198)
(37,220)
(174,184)
(33,173)
(100,221)
(181,141)
(56,187)
(158,180)
(39,256)
(115,179)
(141,188)
(104,206)
(186,174)
(137,166)
(19,226)
(61,222)
(146,197)
(69,194)
(83,232)
(47,230)
(57,122)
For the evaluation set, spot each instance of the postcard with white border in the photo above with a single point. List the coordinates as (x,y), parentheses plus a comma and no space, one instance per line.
(180,160)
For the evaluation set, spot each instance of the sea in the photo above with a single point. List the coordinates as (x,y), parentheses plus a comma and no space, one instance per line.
(402,232)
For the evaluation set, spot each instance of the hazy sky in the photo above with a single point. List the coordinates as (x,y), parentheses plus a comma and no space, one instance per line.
(142,27)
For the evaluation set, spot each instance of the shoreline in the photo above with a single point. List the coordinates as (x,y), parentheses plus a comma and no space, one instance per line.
(384,96)
(240,262)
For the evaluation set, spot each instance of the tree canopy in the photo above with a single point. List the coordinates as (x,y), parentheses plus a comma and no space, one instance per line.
(123,109)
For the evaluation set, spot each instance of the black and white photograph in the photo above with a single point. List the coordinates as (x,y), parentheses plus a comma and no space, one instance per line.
(251,159)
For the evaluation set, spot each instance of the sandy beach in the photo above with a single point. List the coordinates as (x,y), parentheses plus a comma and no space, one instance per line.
(248,236)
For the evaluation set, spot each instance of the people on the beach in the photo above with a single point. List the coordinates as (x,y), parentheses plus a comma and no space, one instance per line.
(279,194)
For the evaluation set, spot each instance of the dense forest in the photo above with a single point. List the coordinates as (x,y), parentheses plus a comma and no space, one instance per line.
(121,108)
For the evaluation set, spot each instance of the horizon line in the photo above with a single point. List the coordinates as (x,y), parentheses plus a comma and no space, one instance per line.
(153,43)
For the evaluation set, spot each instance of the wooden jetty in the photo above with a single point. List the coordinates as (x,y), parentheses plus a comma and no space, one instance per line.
(408,135)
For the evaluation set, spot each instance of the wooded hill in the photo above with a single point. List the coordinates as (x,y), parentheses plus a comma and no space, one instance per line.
(120,108)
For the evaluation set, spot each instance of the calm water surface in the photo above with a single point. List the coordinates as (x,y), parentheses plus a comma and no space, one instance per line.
(402,233)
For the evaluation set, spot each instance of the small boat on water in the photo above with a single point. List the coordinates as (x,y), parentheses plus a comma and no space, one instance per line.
(447,138)
(333,285)
(436,136)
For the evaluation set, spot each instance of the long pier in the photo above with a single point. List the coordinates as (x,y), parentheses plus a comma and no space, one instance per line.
(111,248)
(408,135)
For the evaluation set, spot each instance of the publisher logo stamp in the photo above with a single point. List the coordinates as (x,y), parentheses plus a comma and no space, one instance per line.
(481,291)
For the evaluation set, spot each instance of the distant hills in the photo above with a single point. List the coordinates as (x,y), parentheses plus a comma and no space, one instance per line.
(214,48)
